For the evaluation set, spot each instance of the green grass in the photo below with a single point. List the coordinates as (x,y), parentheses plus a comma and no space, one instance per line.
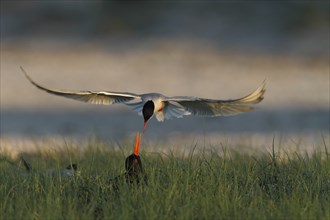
(205,185)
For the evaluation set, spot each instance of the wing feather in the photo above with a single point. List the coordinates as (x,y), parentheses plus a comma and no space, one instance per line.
(102,98)
(211,108)
(174,110)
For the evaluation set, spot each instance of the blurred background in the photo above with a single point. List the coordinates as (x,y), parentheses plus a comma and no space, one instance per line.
(217,50)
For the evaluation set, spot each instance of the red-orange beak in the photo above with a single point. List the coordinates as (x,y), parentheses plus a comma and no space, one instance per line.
(137,144)
(145,124)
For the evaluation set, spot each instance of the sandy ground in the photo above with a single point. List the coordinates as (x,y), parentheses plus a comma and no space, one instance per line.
(296,105)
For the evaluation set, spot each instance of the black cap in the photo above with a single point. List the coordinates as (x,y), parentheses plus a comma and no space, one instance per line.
(148,110)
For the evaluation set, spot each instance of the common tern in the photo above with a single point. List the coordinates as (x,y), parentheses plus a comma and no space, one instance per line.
(161,106)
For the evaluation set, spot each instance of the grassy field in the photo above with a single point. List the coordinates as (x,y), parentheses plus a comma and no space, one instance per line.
(208,184)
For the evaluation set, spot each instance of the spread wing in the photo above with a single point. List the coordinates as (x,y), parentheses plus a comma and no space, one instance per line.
(171,110)
(212,108)
(103,98)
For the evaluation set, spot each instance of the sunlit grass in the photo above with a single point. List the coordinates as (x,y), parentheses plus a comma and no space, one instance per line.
(207,184)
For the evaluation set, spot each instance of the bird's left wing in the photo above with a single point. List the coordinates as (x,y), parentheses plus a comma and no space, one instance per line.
(212,108)
(103,98)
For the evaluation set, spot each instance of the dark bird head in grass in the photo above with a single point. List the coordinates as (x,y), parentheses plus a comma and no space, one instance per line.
(133,164)
(72,167)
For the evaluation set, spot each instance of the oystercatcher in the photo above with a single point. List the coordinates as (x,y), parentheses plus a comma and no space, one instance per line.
(133,165)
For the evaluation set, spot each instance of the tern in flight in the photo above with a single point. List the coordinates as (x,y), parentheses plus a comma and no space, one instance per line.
(161,106)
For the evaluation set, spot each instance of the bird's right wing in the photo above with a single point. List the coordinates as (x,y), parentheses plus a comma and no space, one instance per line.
(171,110)
(212,108)
(103,98)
